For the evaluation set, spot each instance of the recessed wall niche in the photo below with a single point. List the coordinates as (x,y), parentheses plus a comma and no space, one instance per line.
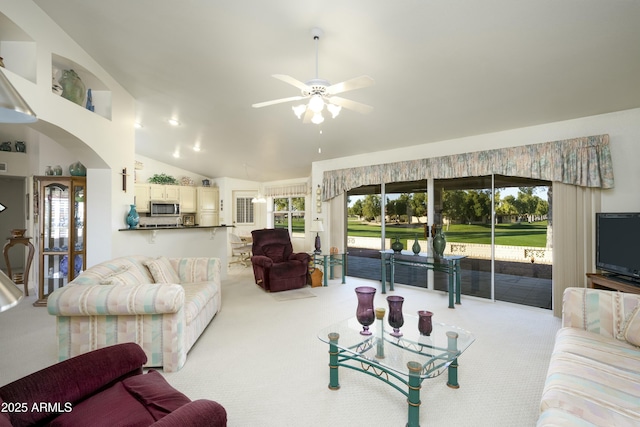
(100,93)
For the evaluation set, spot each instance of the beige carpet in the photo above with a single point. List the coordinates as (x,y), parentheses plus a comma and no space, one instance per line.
(262,360)
(293,294)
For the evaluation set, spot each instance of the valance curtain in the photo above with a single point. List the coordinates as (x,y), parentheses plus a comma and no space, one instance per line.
(585,162)
(288,190)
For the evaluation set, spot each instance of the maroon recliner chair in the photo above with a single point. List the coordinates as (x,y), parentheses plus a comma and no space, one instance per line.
(275,266)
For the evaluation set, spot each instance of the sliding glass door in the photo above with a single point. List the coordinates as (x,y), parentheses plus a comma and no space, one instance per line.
(500,225)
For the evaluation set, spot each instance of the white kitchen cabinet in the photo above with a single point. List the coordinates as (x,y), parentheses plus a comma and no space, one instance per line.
(169,193)
(142,197)
(188,199)
(207,212)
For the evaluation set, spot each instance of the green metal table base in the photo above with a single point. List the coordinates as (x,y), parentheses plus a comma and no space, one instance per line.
(328,261)
(416,374)
(450,266)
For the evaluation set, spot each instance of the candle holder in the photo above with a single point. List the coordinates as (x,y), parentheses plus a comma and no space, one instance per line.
(396,320)
(425,325)
(364,311)
(380,340)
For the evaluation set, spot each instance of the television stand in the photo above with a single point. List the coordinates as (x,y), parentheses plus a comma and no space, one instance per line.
(600,281)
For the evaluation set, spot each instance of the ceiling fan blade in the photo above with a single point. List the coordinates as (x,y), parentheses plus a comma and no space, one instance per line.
(277,101)
(351,105)
(351,84)
(308,115)
(292,81)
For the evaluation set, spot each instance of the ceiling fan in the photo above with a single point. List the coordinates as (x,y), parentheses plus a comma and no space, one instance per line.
(320,92)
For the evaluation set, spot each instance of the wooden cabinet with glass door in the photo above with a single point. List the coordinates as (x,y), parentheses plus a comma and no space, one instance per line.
(62,223)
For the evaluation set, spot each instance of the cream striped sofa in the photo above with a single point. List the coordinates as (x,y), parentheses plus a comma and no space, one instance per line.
(162,304)
(594,373)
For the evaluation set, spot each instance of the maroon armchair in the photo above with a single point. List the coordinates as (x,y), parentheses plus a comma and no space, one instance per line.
(104,387)
(275,266)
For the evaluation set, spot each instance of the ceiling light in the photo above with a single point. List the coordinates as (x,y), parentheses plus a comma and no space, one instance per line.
(317,118)
(334,110)
(316,104)
(13,108)
(299,110)
(174,122)
(196,147)
(176,154)
(137,125)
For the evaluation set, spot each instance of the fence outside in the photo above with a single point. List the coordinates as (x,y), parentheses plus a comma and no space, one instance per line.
(471,250)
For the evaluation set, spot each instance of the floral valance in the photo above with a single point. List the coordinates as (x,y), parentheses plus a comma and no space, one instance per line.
(585,162)
(287,190)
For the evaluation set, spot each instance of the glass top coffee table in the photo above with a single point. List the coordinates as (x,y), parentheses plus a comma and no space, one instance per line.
(402,362)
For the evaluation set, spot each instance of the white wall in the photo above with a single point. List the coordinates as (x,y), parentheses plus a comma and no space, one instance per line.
(104,145)
(623,128)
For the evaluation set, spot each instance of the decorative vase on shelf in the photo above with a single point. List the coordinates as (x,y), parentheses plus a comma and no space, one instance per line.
(365,312)
(77,169)
(48,171)
(425,325)
(416,247)
(439,242)
(72,87)
(57,170)
(395,318)
(397,246)
(89,104)
(21,147)
(133,218)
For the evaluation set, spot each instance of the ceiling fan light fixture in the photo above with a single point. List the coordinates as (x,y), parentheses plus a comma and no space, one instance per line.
(299,110)
(317,118)
(334,110)
(316,104)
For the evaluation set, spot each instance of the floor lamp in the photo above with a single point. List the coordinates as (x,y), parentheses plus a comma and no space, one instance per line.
(10,295)
(13,108)
(316,227)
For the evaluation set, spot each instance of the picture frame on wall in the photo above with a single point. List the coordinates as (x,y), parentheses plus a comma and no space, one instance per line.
(189,220)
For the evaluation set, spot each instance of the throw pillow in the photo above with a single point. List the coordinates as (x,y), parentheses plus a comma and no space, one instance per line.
(129,275)
(632,330)
(162,271)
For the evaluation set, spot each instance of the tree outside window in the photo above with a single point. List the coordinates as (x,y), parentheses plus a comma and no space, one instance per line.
(288,213)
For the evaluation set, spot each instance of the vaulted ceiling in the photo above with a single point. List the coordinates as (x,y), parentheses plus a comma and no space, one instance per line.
(442,68)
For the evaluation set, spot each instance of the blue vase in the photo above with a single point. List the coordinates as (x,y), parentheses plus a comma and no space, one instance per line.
(133,218)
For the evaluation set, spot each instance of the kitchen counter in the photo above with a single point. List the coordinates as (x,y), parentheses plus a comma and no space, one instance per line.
(175,227)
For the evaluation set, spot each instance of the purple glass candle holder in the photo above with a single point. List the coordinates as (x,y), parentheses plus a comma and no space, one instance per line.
(425,325)
(365,312)
(395,318)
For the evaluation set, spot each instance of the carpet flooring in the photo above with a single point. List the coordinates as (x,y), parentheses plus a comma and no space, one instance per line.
(261,359)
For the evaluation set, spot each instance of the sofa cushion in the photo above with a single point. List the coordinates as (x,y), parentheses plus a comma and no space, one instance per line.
(155,393)
(594,378)
(162,271)
(275,252)
(632,330)
(196,296)
(128,275)
(114,406)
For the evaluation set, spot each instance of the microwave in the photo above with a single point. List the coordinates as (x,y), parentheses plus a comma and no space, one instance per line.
(164,208)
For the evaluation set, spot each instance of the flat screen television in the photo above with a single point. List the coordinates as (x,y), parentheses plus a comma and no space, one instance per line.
(618,243)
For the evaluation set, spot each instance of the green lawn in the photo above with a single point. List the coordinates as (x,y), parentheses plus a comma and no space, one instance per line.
(516,234)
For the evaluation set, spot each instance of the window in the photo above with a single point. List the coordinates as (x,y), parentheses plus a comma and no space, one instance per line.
(244,210)
(288,213)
